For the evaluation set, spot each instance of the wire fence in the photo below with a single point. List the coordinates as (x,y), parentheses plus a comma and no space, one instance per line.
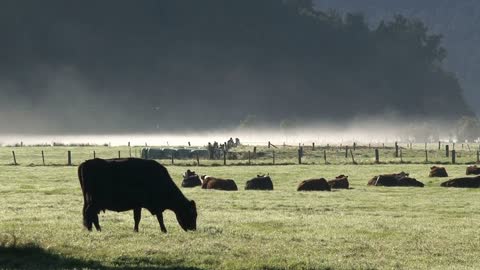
(267,154)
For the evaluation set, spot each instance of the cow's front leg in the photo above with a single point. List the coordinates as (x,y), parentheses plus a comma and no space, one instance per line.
(137,215)
(162,224)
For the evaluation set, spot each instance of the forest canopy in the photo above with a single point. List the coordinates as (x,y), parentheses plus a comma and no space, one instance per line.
(124,65)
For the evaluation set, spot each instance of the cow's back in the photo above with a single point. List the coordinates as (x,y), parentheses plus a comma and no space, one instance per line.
(123,184)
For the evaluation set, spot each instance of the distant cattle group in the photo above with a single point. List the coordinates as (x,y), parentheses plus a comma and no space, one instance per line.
(132,184)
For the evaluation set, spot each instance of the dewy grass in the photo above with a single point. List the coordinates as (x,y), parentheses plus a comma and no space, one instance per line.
(360,228)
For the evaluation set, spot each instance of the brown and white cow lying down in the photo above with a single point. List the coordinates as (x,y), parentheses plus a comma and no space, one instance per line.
(314,185)
(464,182)
(395,180)
(210,182)
(438,172)
(473,170)
(340,182)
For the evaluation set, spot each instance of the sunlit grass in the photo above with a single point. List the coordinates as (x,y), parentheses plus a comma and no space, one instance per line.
(361,228)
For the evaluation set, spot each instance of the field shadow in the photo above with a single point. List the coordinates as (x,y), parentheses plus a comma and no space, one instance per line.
(32,256)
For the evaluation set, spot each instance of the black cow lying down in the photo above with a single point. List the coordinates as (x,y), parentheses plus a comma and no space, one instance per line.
(191,179)
(395,180)
(132,184)
(261,182)
(464,182)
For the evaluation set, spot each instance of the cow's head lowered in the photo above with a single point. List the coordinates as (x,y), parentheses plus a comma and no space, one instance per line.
(187,216)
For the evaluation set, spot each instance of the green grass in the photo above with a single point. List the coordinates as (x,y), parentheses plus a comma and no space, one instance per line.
(361,228)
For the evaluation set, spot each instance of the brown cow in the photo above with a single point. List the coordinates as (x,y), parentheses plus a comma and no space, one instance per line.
(340,182)
(464,182)
(438,172)
(314,185)
(473,170)
(395,180)
(210,182)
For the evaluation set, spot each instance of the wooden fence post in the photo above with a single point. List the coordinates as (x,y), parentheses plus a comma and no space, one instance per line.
(224,157)
(447,150)
(129,151)
(439,145)
(273,155)
(269,144)
(346,151)
(14,158)
(377,156)
(173,161)
(43,158)
(354,146)
(353,158)
(325,155)
(198,159)
(94,154)
(118,154)
(254,152)
(300,155)
(396,149)
(69,158)
(426,156)
(313,146)
(249,158)
(454,156)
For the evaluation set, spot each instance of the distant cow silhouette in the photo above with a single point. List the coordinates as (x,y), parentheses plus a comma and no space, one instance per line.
(395,180)
(438,172)
(473,170)
(261,182)
(191,179)
(464,182)
(210,182)
(340,182)
(132,184)
(314,185)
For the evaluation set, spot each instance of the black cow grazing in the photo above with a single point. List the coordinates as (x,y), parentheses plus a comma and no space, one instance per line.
(132,184)
(473,170)
(191,179)
(261,182)
(210,182)
(395,180)
(340,182)
(314,185)
(438,172)
(464,182)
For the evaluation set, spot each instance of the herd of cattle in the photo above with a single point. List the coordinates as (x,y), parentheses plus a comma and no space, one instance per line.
(133,183)
(262,182)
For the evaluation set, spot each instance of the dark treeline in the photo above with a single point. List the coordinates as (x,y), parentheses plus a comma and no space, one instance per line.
(128,65)
(457,20)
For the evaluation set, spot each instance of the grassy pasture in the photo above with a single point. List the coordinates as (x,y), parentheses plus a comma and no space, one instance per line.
(361,228)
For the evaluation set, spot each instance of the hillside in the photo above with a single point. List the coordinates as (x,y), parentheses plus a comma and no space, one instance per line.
(161,65)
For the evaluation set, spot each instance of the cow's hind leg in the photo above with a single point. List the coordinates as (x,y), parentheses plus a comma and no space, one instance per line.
(85,220)
(137,215)
(92,217)
(162,224)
